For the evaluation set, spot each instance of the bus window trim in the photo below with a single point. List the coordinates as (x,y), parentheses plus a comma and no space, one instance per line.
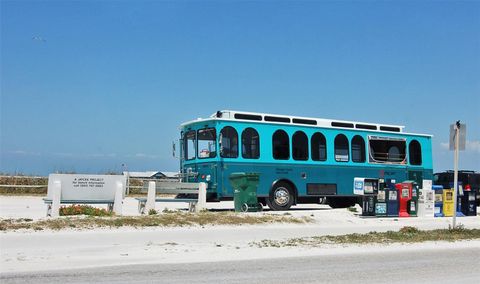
(185,152)
(241,144)
(372,160)
(214,141)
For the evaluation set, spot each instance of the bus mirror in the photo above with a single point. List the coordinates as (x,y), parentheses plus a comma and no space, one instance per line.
(174,149)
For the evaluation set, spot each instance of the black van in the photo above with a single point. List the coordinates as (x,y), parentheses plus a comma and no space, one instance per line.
(465,177)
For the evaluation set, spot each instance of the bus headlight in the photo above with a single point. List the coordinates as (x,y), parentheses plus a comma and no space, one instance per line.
(207,178)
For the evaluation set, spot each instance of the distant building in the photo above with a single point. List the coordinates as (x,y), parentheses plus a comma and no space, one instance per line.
(152,175)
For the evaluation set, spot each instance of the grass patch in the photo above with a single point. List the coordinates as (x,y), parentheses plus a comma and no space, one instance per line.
(83,210)
(404,235)
(172,219)
(23,180)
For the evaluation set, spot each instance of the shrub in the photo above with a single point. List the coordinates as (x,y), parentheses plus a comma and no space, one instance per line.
(152,212)
(83,210)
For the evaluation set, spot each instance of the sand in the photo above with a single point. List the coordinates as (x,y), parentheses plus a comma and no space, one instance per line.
(70,248)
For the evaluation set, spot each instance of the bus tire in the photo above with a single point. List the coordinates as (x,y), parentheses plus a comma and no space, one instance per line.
(281,196)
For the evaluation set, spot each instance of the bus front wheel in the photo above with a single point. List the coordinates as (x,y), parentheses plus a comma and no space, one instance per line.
(281,197)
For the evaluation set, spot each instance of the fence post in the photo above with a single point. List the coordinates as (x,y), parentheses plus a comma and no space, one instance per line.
(150,196)
(56,196)
(118,201)
(202,197)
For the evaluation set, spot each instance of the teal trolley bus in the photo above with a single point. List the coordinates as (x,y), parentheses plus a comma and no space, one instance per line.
(299,159)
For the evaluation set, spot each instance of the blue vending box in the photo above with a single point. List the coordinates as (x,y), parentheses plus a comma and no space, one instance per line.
(392,200)
(438,200)
(380,202)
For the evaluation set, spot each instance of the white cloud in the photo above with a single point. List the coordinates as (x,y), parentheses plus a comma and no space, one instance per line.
(83,156)
(24,153)
(62,154)
(111,155)
(444,145)
(470,146)
(473,146)
(143,156)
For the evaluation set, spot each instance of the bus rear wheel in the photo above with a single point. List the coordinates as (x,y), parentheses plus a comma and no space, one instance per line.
(281,197)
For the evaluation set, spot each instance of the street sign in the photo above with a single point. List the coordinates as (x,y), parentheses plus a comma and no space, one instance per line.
(462,136)
(86,187)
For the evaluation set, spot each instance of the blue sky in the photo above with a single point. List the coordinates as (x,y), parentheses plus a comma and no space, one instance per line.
(89,85)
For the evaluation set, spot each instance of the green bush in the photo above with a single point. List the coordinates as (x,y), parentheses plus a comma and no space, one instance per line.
(83,210)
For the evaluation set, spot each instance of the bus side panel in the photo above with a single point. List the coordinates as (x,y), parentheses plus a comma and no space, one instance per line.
(302,175)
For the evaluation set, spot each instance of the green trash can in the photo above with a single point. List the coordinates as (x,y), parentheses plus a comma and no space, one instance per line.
(245,192)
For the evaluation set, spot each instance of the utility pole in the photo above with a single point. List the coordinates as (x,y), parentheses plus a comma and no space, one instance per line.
(458,133)
(455,173)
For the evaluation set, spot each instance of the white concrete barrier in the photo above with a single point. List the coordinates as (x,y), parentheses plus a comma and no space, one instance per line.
(167,187)
(56,197)
(202,197)
(85,189)
(150,196)
(118,201)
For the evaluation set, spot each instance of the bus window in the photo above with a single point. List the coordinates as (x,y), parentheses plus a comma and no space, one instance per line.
(358,149)
(300,146)
(206,143)
(415,153)
(387,150)
(228,142)
(319,147)
(189,145)
(250,144)
(281,145)
(341,148)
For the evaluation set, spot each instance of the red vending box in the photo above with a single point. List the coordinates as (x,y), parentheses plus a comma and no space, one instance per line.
(405,192)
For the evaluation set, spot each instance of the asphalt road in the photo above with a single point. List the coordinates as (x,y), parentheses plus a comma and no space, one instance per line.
(425,266)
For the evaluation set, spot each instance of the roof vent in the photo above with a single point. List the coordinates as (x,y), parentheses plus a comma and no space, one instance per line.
(248,116)
(304,121)
(277,119)
(366,126)
(342,124)
(389,128)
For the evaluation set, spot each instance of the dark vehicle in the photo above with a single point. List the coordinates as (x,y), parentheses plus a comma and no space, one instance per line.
(467,178)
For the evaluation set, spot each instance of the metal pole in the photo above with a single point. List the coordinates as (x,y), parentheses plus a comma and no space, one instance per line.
(455,175)
(127,186)
(128,182)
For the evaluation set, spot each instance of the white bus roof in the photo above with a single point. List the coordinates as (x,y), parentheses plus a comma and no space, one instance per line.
(303,121)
